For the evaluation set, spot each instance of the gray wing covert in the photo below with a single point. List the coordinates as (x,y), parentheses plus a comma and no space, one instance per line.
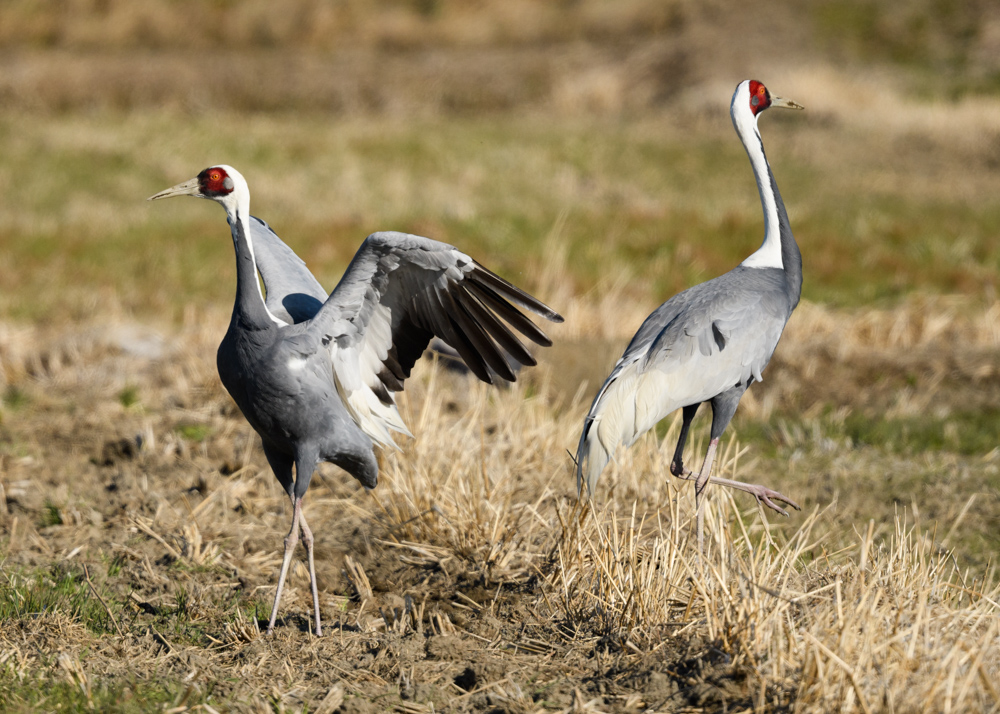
(292,292)
(662,319)
(735,312)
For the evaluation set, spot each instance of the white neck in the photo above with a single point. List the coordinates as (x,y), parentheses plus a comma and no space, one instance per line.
(769,253)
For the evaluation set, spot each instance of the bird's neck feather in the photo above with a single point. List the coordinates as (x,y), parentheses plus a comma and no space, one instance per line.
(249,306)
(779,249)
(769,253)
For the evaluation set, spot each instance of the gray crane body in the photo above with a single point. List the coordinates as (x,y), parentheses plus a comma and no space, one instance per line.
(708,343)
(284,386)
(282,376)
(314,374)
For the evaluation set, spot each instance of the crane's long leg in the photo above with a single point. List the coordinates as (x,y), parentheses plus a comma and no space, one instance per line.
(723,408)
(307,538)
(704,476)
(677,464)
(699,488)
(290,541)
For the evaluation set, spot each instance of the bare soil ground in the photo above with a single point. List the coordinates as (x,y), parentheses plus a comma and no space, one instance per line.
(143,532)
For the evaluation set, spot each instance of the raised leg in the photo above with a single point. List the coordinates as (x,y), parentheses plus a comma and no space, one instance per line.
(290,540)
(307,538)
(763,494)
(723,407)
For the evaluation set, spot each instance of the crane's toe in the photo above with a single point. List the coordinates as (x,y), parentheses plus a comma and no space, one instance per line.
(764,495)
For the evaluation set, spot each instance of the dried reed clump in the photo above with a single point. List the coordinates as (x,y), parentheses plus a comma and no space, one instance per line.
(920,323)
(477,518)
(455,491)
(880,623)
(928,356)
(889,625)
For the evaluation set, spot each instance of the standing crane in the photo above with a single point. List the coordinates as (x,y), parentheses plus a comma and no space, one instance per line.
(708,343)
(315,374)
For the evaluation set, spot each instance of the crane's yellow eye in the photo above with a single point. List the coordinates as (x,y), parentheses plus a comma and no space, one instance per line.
(214,176)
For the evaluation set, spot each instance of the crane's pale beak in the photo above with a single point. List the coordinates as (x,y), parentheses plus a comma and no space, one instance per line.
(188,188)
(782,103)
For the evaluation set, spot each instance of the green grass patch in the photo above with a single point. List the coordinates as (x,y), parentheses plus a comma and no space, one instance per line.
(51,515)
(193,432)
(667,207)
(964,433)
(15,398)
(129,396)
(115,564)
(936,38)
(24,597)
(134,697)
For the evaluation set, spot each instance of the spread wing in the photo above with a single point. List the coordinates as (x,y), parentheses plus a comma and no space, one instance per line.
(401,290)
(293,293)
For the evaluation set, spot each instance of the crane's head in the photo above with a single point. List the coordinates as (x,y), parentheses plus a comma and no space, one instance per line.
(222,184)
(753,97)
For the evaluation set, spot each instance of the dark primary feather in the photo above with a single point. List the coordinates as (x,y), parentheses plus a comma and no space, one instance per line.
(468,313)
(420,288)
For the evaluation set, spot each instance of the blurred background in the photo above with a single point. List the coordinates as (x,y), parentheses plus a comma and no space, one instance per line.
(583,149)
(599,126)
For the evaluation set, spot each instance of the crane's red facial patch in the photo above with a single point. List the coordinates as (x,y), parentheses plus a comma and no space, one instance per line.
(760,98)
(215,182)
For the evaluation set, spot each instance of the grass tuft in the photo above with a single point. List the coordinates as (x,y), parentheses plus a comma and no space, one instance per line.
(26,597)
(52,516)
(194,432)
(129,396)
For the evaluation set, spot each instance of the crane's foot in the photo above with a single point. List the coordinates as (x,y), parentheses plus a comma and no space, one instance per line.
(768,496)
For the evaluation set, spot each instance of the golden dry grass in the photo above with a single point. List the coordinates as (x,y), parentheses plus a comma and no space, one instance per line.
(427,57)
(470,579)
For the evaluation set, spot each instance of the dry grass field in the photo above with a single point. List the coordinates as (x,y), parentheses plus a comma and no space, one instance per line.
(584,151)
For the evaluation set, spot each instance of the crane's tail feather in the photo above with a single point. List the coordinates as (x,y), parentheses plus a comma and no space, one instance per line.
(611,422)
(591,458)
